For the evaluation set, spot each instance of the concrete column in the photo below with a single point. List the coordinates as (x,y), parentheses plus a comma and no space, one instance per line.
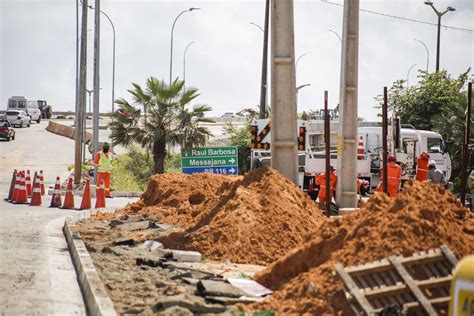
(346,192)
(283,91)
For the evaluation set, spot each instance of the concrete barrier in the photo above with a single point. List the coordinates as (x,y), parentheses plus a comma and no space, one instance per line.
(65,130)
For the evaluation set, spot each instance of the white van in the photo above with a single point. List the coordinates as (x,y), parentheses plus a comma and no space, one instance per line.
(30,106)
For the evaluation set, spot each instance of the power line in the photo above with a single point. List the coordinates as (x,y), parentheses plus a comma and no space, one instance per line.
(403,18)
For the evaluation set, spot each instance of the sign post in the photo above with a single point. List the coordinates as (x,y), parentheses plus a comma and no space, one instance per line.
(216,160)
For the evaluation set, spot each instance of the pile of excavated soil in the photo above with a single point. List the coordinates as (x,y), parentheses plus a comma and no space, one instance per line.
(421,218)
(252,219)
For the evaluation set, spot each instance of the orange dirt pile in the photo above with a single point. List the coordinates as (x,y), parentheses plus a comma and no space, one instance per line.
(252,219)
(421,218)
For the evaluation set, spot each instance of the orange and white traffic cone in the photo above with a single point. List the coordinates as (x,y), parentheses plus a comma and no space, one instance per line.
(36,196)
(100,200)
(360,149)
(56,199)
(28,183)
(69,198)
(12,187)
(86,197)
(41,182)
(16,190)
(22,194)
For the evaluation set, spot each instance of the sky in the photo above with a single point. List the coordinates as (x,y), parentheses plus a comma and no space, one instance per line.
(37,48)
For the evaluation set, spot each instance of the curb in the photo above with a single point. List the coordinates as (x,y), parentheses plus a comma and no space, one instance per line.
(96,298)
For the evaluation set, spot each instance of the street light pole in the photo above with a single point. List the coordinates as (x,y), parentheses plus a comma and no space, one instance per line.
(337,34)
(296,65)
(184,64)
(439,14)
(96,111)
(172,30)
(408,75)
(427,53)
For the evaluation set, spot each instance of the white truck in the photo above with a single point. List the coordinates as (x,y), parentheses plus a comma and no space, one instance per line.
(30,106)
(406,144)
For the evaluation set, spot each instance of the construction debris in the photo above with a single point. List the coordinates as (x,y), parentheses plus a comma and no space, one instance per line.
(252,219)
(423,217)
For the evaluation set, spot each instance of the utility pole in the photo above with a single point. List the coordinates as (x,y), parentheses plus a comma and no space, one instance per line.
(95,116)
(465,147)
(327,143)
(283,117)
(263,86)
(385,140)
(347,133)
(81,98)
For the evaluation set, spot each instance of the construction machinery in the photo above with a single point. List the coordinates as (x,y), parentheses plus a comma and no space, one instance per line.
(45,108)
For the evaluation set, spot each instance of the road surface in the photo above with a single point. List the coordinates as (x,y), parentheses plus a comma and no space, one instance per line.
(36,272)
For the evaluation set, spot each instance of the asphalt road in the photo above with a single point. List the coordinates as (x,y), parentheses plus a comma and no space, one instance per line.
(37,276)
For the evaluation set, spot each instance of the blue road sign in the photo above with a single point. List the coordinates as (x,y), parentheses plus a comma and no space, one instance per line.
(232,170)
(216,160)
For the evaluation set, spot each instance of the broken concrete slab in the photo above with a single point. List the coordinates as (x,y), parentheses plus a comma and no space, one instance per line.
(134,219)
(218,288)
(152,245)
(196,305)
(124,241)
(232,300)
(134,226)
(115,222)
(186,256)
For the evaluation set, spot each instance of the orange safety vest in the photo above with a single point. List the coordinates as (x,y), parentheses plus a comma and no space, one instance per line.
(422,169)
(321,181)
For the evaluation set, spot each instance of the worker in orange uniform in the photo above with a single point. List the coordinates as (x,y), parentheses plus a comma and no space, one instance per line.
(321,181)
(422,166)
(103,162)
(394,175)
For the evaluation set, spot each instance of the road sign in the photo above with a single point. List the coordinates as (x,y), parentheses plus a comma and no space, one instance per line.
(216,160)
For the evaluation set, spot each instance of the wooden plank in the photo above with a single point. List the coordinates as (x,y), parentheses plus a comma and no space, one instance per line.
(420,297)
(353,289)
(437,282)
(449,255)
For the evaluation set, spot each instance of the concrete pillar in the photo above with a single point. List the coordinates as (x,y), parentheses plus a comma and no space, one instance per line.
(346,192)
(283,91)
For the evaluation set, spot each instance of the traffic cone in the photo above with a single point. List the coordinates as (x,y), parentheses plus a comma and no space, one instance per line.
(16,190)
(36,196)
(86,197)
(69,198)
(12,187)
(41,182)
(360,149)
(22,194)
(56,199)
(100,200)
(28,183)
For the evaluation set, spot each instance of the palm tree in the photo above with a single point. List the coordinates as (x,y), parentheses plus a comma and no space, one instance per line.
(168,120)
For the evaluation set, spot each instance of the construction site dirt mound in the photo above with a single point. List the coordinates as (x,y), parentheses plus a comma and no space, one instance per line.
(423,217)
(254,219)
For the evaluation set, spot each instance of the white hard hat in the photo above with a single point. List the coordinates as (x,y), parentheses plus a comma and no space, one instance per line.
(432,163)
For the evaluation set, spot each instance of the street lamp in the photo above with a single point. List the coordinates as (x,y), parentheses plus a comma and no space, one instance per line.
(408,75)
(427,53)
(298,88)
(439,14)
(297,61)
(113,56)
(184,64)
(337,34)
(172,30)
(261,29)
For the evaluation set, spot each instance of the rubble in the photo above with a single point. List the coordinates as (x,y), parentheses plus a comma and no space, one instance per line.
(423,216)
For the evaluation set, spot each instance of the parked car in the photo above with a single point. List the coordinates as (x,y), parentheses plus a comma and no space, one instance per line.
(228,114)
(6,130)
(18,118)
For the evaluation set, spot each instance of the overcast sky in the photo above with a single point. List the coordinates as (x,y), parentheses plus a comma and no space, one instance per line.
(37,48)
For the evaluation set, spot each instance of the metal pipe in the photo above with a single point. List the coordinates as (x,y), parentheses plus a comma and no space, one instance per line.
(172,30)
(465,147)
(384,140)
(327,141)
(427,53)
(184,64)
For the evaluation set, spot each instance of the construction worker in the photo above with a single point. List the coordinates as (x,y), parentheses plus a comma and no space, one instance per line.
(362,186)
(422,166)
(394,174)
(435,175)
(103,162)
(321,181)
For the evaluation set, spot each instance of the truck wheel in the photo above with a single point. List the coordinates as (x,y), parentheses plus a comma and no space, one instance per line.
(39,120)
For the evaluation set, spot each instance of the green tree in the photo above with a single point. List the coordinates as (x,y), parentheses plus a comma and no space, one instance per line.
(168,120)
(240,137)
